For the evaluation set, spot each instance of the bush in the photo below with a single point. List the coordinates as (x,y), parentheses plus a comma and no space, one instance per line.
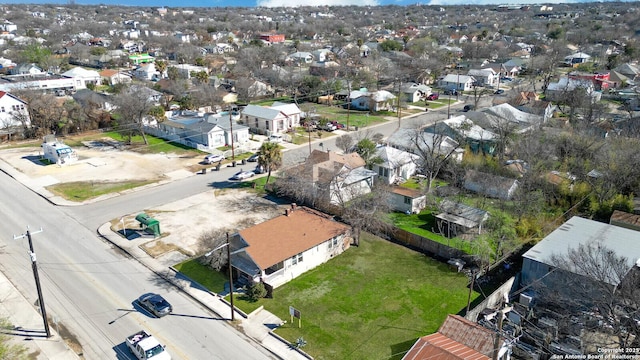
(256,291)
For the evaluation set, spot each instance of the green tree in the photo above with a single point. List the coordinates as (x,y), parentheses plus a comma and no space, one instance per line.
(256,291)
(269,157)
(98,50)
(161,66)
(391,45)
(36,53)
(366,148)
(173,73)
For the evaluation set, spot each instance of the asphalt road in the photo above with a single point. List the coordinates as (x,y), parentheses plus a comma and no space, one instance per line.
(89,287)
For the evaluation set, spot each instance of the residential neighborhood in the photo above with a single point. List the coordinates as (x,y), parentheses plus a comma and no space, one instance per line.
(424,181)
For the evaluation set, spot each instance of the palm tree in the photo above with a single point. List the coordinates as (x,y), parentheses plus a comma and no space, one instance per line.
(269,157)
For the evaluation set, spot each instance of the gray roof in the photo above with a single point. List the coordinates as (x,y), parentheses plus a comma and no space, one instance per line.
(578,231)
(260,112)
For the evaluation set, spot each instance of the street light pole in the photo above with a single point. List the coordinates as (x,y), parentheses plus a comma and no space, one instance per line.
(34,266)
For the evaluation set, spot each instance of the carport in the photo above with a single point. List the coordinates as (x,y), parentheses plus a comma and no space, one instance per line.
(149,224)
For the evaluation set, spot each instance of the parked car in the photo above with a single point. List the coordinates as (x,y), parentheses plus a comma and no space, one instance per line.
(253,158)
(213,158)
(338,125)
(433,96)
(451,92)
(276,138)
(499,91)
(242,175)
(468,108)
(329,127)
(259,170)
(155,304)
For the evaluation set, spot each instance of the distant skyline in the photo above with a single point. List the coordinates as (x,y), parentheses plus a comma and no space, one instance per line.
(282,3)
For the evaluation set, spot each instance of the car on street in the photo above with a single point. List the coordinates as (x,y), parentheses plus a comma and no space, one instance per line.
(451,92)
(259,170)
(242,175)
(433,96)
(155,304)
(213,158)
(468,108)
(499,92)
(253,158)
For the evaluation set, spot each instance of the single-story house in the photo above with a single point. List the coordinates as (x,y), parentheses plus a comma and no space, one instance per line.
(396,165)
(408,201)
(538,261)
(455,218)
(373,101)
(283,248)
(556,90)
(113,77)
(271,120)
(457,82)
(576,59)
(504,118)
(490,185)
(485,77)
(464,130)
(89,76)
(413,92)
(428,142)
(14,112)
(300,57)
(207,130)
(336,178)
(459,339)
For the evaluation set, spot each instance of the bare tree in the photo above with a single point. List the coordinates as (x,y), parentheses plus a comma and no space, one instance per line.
(600,288)
(345,143)
(133,106)
(434,152)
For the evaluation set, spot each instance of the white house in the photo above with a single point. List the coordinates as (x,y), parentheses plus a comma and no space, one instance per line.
(300,57)
(13,111)
(88,76)
(485,77)
(146,72)
(576,59)
(442,145)
(565,84)
(413,92)
(457,82)
(374,101)
(113,77)
(271,120)
(396,165)
(203,130)
(283,248)
(409,201)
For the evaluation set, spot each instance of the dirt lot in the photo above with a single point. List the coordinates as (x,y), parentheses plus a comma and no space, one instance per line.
(182,222)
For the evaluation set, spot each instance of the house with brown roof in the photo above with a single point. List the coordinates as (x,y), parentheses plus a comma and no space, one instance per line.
(336,178)
(410,201)
(285,247)
(113,77)
(458,338)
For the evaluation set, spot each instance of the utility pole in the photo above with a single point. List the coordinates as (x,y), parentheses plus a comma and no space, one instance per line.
(230,279)
(233,152)
(34,266)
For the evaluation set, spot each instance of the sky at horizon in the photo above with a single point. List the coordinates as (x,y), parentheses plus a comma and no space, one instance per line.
(282,3)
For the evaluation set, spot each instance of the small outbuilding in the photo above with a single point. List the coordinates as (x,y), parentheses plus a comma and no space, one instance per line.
(149,224)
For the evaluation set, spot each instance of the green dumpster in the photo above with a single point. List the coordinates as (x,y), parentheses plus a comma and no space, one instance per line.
(149,224)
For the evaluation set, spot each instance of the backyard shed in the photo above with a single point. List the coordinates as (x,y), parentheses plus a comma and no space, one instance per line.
(149,224)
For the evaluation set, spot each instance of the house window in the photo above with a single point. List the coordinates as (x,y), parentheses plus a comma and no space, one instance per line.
(296,259)
(266,124)
(2,109)
(333,243)
(256,122)
(407,200)
(383,172)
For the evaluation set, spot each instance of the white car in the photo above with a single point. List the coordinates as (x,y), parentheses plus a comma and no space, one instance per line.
(276,138)
(213,158)
(241,175)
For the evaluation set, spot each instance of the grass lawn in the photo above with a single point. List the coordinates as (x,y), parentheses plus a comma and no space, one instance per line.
(422,223)
(372,302)
(84,190)
(203,275)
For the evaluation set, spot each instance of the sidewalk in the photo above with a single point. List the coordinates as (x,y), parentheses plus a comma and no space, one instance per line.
(28,328)
(258,326)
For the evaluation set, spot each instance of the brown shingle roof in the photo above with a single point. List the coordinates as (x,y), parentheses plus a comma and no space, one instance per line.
(280,238)
(439,347)
(469,333)
(412,193)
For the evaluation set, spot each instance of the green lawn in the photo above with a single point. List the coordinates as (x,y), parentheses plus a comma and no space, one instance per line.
(203,275)
(422,223)
(84,190)
(372,302)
